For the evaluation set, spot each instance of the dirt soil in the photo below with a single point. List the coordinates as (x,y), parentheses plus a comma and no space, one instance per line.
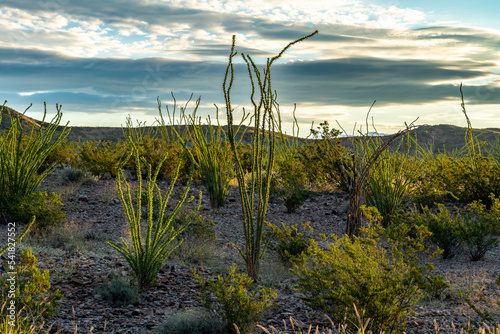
(80,262)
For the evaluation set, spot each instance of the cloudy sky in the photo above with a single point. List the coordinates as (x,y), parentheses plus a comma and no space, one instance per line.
(104,60)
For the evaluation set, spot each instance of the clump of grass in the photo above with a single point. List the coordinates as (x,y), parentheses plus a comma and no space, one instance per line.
(192,321)
(119,291)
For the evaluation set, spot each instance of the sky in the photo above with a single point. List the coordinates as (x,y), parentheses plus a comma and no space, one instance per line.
(105,60)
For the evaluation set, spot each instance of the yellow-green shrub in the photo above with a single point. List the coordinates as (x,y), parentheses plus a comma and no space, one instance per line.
(235,305)
(32,299)
(359,271)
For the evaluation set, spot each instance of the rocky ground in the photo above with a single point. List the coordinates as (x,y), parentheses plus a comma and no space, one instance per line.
(80,262)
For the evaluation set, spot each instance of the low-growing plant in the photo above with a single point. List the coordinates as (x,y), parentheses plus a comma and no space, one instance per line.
(383,285)
(71,175)
(291,183)
(478,228)
(64,154)
(441,223)
(192,321)
(119,291)
(45,206)
(292,243)
(29,294)
(234,304)
(102,158)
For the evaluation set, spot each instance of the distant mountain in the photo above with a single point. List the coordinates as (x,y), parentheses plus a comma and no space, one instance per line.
(438,138)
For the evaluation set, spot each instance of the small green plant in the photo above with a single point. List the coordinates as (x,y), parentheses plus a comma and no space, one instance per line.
(199,227)
(235,305)
(150,249)
(71,175)
(292,243)
(30,293)
(45,206)
(478,227)
(292,183)
(102,158)
(434,285)
(193,321)
(358,271)
(119,291)
(441,223)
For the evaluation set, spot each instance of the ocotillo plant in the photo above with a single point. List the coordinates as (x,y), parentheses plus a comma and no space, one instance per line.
(264,136)
(150,249)
(22,153)
(213,158)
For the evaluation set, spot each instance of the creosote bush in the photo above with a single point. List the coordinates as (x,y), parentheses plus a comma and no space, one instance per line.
(45,206)
(291,242)
(383,285)
(234,304)
(32,296)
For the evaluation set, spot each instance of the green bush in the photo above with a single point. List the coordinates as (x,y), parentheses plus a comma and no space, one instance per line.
(153,150)
(71,175)
(45,206)
(199,227)
(291,183)
(392,183)
(192,321)
(119,291)
(464,179)
(102,158)
(441,223)
(291,243)
(478,227)
(65,154)
(32,299)
(382,285)
(323,157)
(235,305)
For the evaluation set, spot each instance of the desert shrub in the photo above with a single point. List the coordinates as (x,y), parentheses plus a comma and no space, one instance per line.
(478,227)
(102,158)
(234,304)
(45,206)
(31,297)
(393,182)
(198,226)
(441,223)
(291,243)
(152,150)
(465,179)
(71,175)
(192,321)
(19,163)
(65,154)
(322,157)
(291,183)
(383,285)
(119,291)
